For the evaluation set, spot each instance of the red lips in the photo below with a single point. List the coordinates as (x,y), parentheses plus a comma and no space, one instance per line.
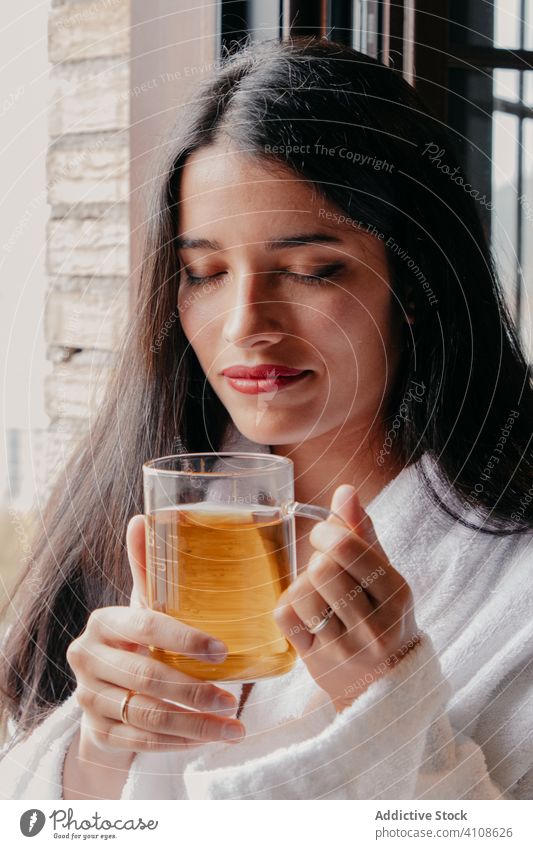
(261,372)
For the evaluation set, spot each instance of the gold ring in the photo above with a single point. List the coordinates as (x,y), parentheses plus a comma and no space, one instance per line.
(124,706)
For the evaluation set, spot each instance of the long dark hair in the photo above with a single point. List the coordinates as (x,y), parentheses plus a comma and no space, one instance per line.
(360,133)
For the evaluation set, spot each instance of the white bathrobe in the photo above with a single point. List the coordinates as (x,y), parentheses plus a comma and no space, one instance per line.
(453,720)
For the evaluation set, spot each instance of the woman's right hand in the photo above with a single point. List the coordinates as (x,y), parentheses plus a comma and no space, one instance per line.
(111,656)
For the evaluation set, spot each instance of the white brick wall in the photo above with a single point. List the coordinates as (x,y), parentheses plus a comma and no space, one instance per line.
(94,173)
(86,320)
(89,96)
(90,246)
(88,30)
(86,307)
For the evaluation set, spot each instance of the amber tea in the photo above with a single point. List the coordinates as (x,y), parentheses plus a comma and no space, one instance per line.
(222,569)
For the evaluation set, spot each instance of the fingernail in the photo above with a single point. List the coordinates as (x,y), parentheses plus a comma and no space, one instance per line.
(216,650)
(233,732)
(227,702)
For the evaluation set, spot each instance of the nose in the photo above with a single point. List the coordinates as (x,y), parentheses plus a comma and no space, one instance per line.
(251,321)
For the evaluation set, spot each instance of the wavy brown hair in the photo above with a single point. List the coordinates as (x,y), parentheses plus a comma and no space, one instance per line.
(463,346)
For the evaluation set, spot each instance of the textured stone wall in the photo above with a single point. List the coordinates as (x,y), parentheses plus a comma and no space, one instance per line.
(87,188)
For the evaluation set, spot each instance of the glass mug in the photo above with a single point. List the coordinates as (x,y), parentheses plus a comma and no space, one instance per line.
(220,551)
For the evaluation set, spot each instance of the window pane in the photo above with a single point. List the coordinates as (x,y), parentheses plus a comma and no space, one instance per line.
(507,23)
(365,26)
(528,23)
(526,207)
(528,88)
(504,198)
(506,84)
(264,19)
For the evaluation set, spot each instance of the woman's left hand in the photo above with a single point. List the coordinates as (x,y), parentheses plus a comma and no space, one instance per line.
(372,624)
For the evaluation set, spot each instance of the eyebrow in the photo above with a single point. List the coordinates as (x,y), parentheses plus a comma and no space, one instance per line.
(273,245)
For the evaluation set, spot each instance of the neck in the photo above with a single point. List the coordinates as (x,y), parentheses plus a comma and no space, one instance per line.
(324,463)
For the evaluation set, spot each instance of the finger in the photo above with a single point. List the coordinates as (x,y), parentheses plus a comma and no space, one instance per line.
(377,576)
(103,733)
(159,717)
(340,592)
(152,628)
(311,607)
(103,698)
(165,718)
(292,627)
(153,677)
(135,543)
(111,735)
(345,503)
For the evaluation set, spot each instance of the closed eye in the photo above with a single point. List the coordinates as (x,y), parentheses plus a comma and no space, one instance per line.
(198,280)
(319,278)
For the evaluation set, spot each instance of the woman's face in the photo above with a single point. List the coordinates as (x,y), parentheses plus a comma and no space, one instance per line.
(272,279)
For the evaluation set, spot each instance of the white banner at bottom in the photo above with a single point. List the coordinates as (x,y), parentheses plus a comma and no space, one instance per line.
(269,824)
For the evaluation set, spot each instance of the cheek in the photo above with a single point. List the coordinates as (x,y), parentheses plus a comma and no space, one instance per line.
(359,342)
(351,329)
(369,317)
(197,319)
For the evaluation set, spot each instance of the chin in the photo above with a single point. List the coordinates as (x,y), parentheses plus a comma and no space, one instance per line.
(266,432)
(263,431)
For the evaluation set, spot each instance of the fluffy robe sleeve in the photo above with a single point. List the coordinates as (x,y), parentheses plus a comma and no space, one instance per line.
(393,742)
(33,768)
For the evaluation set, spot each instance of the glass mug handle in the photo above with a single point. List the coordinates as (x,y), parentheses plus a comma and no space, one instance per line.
(309,511)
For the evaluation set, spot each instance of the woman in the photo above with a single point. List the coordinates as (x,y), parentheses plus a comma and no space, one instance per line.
(301,226)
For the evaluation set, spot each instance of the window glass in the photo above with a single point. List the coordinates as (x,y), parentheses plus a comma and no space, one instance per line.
(528,88)
(528,26)
(507,23)
(365,26)
(526,211)
(504,200)
(506,83)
